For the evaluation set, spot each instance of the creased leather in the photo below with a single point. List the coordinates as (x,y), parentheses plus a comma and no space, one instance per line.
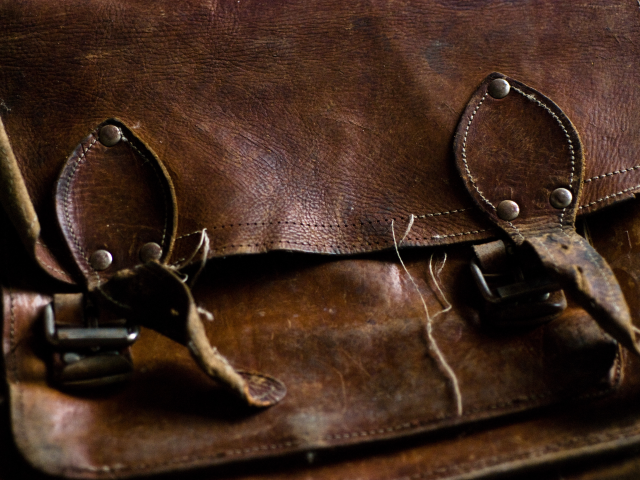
(346,336)
(311,128)
(268,116)
(116,198)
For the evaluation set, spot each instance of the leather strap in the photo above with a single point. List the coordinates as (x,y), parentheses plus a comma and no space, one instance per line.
(522,161)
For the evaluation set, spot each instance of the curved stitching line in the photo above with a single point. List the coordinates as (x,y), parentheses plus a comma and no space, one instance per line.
(464,152)
(531,98)
(466,165)
(621,192)
(67,196)
(557,119)
(155,168)
(49,266)
(610,174)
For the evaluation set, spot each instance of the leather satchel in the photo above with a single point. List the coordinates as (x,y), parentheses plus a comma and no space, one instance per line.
(319,240)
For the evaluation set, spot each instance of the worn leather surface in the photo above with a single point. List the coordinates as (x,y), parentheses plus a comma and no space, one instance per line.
(572,429)
(355,360)
(310,127)
(117,198)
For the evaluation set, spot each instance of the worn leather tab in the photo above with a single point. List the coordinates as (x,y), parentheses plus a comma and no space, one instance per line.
(520,148)
(153,296)
(115,198)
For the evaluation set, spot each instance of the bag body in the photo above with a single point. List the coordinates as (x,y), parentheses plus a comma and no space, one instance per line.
(326,240)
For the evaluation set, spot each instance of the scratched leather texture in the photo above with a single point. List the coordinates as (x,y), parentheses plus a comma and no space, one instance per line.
(135,424)
(348,339)
(311,126)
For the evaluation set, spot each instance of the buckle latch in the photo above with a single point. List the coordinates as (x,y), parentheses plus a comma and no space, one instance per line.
(511,298)
(86,354)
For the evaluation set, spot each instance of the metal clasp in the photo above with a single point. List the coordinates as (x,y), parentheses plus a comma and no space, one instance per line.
(78,337)
(513,299)
(85,357)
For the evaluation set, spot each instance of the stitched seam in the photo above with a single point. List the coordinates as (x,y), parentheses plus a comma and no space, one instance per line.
(466,164)
(236,452)
(530,453)
(336,246)
(155,168)
(464,153)
(48,266)
(557,119)
(444,213)
(67,196)
(460,234)
(82,157)
(621,192)
(327,225)
(610,174)
(531,98)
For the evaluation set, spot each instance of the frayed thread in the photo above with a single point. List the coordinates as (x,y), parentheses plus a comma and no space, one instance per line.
(433,346)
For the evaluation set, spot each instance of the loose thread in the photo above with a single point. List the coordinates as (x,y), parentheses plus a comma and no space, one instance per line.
(409,226)
(435,281)
(442,362)
(204,240)
(207,314)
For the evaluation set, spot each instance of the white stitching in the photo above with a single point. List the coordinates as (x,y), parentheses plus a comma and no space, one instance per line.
(155,168)
(464,152)
(67,201)
(461,234)
(608,197)
(557,119)
(610,174)
(444,213)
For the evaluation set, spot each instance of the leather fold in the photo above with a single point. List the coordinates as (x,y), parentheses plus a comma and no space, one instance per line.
(522,161)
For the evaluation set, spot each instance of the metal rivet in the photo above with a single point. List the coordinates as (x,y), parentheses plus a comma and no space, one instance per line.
(560,198)
(499,88)
(508,210)
(100,260)
(110,135)
(150,251)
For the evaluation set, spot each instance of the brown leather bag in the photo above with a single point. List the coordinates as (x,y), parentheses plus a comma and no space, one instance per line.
(319,240)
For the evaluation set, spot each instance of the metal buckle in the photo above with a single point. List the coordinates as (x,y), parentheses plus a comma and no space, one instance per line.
(512,300)
(89,357)
(74,337)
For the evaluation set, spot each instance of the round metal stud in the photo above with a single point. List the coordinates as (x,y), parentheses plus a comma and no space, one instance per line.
(508,210)
(499,88)
(560,198)
(109,135)
(100,260)
(150,251)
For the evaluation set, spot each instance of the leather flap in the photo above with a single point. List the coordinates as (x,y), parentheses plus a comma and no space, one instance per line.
(311,127)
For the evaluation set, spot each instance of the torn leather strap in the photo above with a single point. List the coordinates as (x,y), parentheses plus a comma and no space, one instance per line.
(522,161)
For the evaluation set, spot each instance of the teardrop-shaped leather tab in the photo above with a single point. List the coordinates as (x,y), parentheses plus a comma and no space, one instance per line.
(112,198)
(519,148)
(521,160)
